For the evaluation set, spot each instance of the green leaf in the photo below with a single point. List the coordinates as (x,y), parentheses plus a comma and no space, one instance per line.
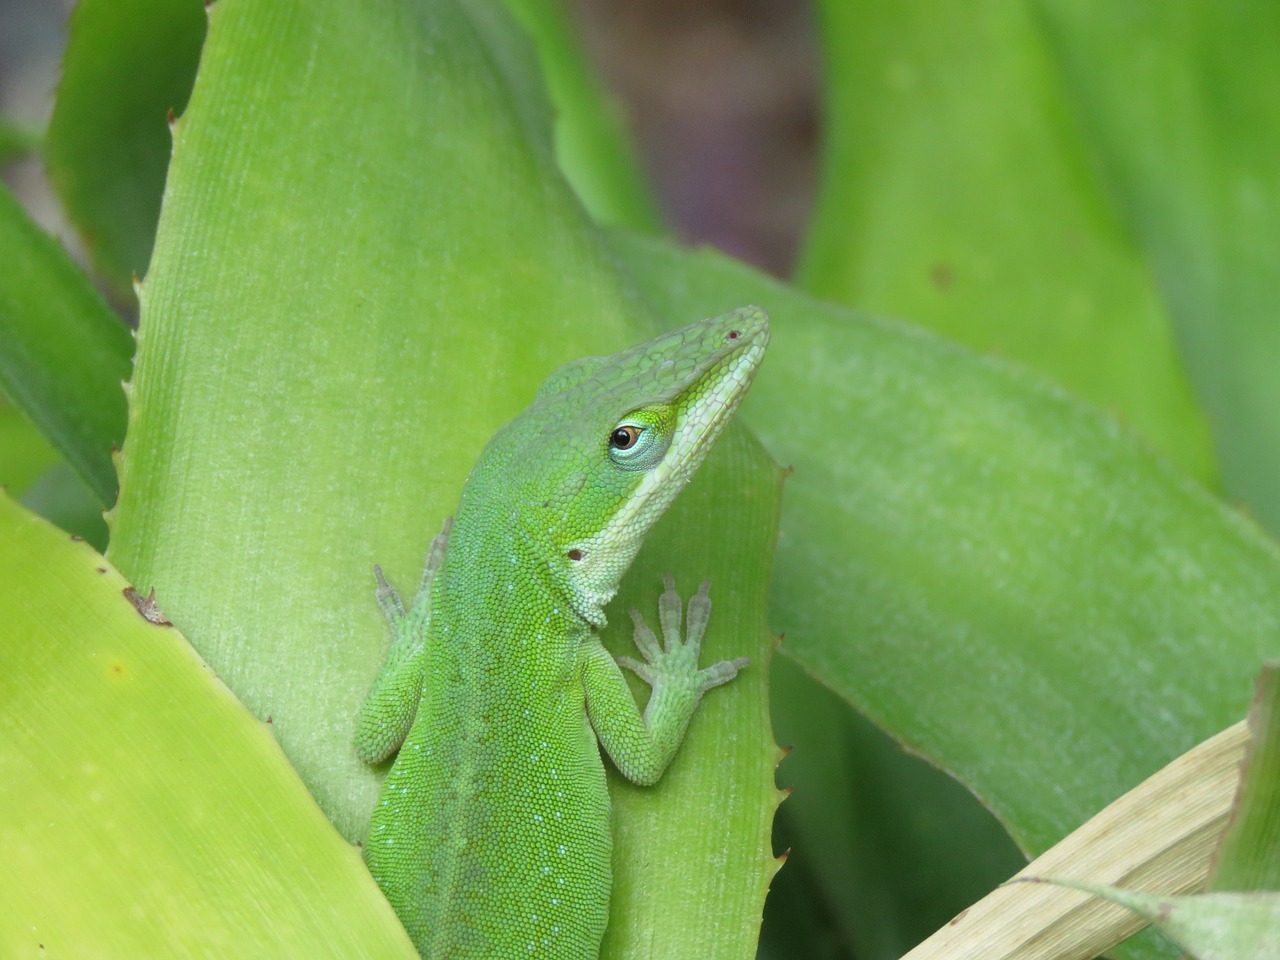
(61,497)
(128,64)
(339,411)
(363,266)
(31,470)
(24,453)
(1175,100)
(664,904)
(592,146)
(1209,926)
(1249,854)
(975,560)
(16,141)
(957,192)
(63,353)
(143,811)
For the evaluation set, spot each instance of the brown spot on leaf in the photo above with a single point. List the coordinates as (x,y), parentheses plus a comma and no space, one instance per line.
(942,276)
(147,606)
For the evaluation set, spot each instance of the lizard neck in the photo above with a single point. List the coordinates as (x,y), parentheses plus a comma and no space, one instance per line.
(496,592)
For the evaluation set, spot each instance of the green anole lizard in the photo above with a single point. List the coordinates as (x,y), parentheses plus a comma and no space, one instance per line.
(491,835)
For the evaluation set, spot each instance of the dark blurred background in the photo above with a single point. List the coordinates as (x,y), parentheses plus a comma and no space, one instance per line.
(32,34)
(722,100)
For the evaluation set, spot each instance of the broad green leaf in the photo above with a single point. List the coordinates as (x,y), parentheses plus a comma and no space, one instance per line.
(63,353)
(1176,100)
(514,59)
(127,65)
(957,192)
(143,811)
(1249,856)
(1001,578)
(363,266)
(1209,926)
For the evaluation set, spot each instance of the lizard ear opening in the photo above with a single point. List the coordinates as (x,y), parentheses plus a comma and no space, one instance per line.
(575,554)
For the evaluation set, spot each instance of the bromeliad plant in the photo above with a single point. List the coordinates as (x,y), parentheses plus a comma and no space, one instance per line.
(368,255)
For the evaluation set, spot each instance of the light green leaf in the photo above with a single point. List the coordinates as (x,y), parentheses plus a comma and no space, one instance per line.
(957,192)
(143,811)
(1175,100)
(339,411)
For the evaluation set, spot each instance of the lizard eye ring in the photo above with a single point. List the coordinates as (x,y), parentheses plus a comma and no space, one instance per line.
(640,440)
(635,446)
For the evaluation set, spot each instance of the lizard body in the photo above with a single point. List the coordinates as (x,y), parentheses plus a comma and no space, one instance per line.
(491,836)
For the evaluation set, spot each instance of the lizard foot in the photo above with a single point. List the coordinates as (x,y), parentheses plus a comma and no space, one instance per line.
(675,659)
(389,598)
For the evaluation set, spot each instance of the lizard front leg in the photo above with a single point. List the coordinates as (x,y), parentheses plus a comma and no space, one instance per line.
(392,704)
(642,745)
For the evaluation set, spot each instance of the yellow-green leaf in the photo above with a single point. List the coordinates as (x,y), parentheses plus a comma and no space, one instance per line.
(143,811)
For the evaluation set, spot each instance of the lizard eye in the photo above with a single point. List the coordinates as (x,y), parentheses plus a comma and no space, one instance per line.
(624,437)
(639,442)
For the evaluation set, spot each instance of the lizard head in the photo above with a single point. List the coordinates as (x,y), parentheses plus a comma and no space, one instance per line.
(609,442)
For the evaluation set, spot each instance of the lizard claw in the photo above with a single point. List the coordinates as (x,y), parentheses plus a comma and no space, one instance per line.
(435,557)
(388,597)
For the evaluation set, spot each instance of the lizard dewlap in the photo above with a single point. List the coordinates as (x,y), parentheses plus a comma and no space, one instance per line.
(491,835)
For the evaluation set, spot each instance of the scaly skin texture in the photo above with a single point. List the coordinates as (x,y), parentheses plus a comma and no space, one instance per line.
(491,835)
